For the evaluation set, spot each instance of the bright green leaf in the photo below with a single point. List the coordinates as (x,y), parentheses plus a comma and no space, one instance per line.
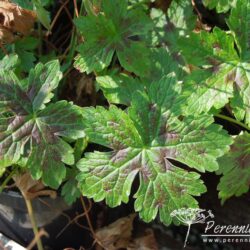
(119,89)
(208,49)
(42,14)
(144,140)
(162,64)
(9,62)
(204,91)
(219,5)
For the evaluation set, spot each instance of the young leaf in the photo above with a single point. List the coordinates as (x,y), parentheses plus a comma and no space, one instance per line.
(70,190)
(9,62)
(235,168)
(118,89)
(25,50)
(115,29)
(144,140)
(31,129)
(42,14)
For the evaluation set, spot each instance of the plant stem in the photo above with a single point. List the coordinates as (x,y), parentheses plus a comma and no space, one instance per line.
(70,51)
(227,118)
(7,179)
(76,9)
(33,222)
(87,217)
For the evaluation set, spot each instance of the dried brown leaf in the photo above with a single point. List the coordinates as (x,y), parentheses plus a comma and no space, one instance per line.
(15,22)
(162,4)
(146,242)
(31,188)
(116,235)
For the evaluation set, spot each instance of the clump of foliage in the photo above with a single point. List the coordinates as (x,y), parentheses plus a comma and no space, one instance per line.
(165,80)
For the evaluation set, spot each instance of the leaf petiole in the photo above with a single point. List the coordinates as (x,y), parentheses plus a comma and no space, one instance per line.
(227,118)
(6,180)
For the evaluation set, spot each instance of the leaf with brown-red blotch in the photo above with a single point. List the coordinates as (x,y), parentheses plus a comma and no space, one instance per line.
(144,139)
(30,127)
(225,55)
(235,168)
(15,22)
(117,29)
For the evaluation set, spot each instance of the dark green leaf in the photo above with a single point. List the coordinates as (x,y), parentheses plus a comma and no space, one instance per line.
(235,168)
(70,191)
(31,129)
(25,48)
(114,29)
(239,22)
(42,14)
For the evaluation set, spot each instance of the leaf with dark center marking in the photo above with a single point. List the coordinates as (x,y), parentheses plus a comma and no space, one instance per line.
(144,140)
(111,31)
(30,128)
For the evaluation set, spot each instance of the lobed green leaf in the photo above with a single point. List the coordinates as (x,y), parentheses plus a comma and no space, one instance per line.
(234,167)
(30,128)
(144,140)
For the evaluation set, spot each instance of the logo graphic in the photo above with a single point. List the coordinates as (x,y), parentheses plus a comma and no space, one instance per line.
(190,216)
